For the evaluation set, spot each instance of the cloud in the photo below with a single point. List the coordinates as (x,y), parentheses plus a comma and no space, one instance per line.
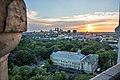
(79,22)
(32,14)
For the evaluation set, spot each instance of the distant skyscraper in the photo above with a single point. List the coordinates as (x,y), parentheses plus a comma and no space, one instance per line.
(117,30)
(74,31)
(69,31)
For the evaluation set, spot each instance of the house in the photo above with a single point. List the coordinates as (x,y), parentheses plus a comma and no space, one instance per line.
(75,60)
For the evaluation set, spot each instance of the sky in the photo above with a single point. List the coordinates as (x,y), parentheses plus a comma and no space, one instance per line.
(81,15)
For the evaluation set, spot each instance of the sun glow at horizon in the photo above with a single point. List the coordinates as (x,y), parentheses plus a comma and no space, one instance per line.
(90,28)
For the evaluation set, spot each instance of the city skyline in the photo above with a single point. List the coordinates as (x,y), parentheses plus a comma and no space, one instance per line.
(95,15)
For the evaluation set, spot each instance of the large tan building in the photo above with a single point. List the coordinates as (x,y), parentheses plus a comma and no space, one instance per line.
(77,61)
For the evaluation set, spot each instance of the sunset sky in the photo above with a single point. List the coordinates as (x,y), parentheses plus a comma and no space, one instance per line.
(82,15)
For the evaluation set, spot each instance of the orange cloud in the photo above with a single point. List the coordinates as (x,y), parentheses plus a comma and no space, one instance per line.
(96,22)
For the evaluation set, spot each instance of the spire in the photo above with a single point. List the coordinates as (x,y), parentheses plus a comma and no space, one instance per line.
(79,51)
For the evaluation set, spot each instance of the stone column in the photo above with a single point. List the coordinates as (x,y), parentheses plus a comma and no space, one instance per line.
(118,59)
(13,21)
(4,67)
(117,31)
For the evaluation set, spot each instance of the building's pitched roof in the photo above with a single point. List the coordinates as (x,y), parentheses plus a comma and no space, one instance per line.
(91,58)
(65,55)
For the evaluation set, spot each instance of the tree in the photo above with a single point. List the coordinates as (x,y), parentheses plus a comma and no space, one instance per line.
(41,51)
(50,77)
(39,70)
(88,50)
(113,57)
(73,77)
(69,46)
(49,61)
(106,46)
(24,57)
(11,61)
(103,58)
(47,65)
(74,49)
(17,77)
(38,77)
(36,70)
(24,71)
(14,71)
(37,51)
(60,76)
(54,48)
(85,77)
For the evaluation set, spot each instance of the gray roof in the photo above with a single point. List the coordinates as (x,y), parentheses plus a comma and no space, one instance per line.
(91,58)
(69,56)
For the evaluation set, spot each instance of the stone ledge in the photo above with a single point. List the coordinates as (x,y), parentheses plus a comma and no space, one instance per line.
(112,73)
